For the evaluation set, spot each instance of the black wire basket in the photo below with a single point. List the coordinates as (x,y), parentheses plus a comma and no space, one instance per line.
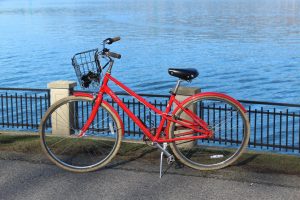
(88,69)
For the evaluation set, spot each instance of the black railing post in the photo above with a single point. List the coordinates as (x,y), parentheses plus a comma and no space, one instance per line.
(22,117)
(286,130)
(36,111)
(7,116)
(2,110)
(299,133)
(280,130)
(12,110)
(17,110)
(261,126)
(274,125)
(255,121)
(268,127)
(249,115)
(293,133)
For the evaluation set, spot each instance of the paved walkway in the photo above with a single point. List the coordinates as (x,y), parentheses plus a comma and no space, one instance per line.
(22,177)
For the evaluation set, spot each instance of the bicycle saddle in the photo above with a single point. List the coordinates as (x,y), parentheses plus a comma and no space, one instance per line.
(186,74)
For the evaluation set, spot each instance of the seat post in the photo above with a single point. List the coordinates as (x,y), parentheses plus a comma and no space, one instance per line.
(177,86)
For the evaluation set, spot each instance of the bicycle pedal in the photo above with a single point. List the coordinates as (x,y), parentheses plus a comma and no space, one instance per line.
(170,159)
(179,165)
(145,138)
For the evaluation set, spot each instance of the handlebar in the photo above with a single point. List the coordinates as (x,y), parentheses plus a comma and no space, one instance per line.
(106,51)
(114,55)
(111,40)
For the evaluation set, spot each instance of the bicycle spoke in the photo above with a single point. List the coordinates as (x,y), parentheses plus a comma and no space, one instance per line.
(80,153)
(230,133)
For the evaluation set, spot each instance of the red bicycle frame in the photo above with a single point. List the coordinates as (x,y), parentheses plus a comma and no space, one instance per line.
(197,124)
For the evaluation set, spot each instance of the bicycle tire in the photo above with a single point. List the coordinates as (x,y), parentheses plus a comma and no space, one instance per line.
(61,125)
(219,151)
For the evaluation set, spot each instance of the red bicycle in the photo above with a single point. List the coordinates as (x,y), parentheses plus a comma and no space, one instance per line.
(83,132)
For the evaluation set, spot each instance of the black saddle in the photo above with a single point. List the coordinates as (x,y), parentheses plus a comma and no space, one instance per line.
(186,74)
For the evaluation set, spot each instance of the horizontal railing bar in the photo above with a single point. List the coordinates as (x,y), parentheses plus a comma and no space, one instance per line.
(257,111)
(271,113)
(270,103)
(242,101)
(165,96)
(27,89)
(27,97)
(19,125)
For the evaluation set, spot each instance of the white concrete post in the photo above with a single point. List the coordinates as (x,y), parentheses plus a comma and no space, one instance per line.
(59,90)
(182,94)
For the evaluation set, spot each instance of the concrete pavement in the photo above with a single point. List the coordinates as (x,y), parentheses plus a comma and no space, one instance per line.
(31,177)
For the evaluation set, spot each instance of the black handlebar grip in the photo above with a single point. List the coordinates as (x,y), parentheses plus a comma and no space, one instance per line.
(112,40)
(115,39)
(114,55)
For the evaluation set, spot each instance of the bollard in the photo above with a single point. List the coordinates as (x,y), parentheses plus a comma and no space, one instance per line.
(182,94)
(59,90)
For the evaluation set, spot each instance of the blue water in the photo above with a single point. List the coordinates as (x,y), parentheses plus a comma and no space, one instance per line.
(247,49)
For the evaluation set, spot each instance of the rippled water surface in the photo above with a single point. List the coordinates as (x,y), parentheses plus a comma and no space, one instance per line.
(248,49)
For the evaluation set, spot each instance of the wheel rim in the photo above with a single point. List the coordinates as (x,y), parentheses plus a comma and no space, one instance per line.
(61,135)
(229,126)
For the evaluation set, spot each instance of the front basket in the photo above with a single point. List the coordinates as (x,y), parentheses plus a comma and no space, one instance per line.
(87,68)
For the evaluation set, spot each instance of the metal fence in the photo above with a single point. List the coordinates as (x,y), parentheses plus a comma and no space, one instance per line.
(274,126)
(22,108)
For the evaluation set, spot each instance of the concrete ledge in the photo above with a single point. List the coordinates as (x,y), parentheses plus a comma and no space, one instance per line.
(62,84)
(188,91)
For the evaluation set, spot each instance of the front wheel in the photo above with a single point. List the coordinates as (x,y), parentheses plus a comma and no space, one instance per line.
(60,131)
(230,128)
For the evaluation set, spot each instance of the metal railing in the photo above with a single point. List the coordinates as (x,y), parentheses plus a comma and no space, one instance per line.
(274,126)
(22,108)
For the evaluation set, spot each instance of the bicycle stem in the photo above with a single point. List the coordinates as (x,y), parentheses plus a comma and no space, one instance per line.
(111,63)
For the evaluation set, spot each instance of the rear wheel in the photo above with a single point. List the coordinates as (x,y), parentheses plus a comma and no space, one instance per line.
(60,139)
(230,128)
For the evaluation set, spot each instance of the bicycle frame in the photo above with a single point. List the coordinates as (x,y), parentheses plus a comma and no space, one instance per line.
(197,125)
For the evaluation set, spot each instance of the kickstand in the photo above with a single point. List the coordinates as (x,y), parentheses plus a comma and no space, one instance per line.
(161,160)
